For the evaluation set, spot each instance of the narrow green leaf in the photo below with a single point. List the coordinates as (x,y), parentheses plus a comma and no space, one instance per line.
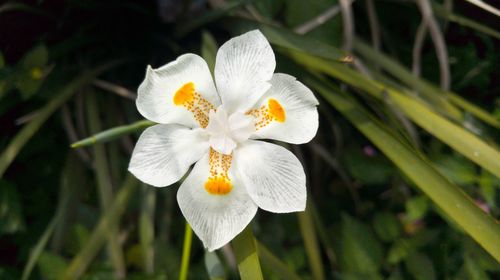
(37,251)
(146,227)
(245,249)
(104,183)
(186,252)
(289,40)
(278,268)
(209,49)
(21,138)
(109,220)
(450,133)
(431,92)
(447,196)
(443,13)
(112,133)
(311,244)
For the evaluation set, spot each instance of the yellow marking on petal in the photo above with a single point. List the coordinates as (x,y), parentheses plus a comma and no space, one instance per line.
(218,182)
(187,97)
(218,186)
(185,94)
(276,110)
(266,114)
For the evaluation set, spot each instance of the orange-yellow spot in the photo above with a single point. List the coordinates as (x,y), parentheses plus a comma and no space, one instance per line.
(276,110)
(185,94)
(218,186)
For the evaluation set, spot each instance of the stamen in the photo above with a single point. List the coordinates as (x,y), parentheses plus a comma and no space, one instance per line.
(266,114)
(195,103)
(219,183)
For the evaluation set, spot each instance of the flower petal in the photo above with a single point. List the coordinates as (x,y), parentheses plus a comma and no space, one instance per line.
(243,67)
(300,119)
(165,152)
(272,175)
(216,219)
(155,100)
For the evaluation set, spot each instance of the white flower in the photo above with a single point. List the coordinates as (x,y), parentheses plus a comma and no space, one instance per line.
(218,128)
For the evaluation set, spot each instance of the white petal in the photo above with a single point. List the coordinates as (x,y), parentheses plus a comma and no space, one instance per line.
(216,219)
(299,103)
(165,152)
(156,92)
(222,144)
(243,67)
(272,175)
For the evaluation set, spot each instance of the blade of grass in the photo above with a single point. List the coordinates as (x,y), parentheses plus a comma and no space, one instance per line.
(286,39)
(245,249)
(23,136)
(453,135)
(146,227)
(39,247)
(113,133)
(447,196)
(442,12)
(278,268)
(311,243)
(104,184)
(404,75)
(108,221)
(186,252)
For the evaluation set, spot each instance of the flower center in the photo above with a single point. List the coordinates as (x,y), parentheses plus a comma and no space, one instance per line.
(226,132)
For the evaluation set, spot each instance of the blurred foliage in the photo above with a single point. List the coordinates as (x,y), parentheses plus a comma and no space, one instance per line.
(366,219)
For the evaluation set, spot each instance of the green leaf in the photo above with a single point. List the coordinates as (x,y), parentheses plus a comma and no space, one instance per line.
(214,267)
(98,237)
(113,133)
(442,99)
(416,208)
(27,84)
(387,226)
(285,39)
(402,248)
(277,266)
(370,170)
(245,249)
(11,218)
(36,57)
(360,250)
(51,266)
(460,139)
(311,244)
(420,267)
(209,49)
(457,169)
(2,61)
(447,196)
(22,137)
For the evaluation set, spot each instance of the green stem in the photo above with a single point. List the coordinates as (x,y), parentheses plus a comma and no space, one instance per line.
(186,251)
(245,249)
(311,243)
